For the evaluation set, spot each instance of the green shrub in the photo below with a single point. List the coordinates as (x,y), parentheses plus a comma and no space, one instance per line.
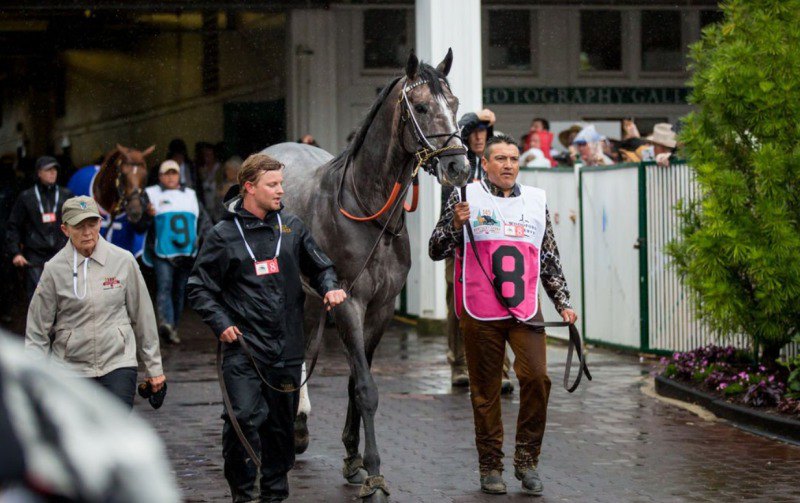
(738,251)
(792,365)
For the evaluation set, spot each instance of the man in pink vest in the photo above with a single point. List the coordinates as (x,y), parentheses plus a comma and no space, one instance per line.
(515,248)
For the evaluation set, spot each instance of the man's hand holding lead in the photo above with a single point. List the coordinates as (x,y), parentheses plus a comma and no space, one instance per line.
(334,298)
(230,334)
(569,316)
(460,215)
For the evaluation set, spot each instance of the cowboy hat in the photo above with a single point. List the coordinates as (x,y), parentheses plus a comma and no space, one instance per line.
(663,135)
(563,136)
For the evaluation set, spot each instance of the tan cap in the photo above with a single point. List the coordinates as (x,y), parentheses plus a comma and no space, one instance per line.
(168,165)
(77,209)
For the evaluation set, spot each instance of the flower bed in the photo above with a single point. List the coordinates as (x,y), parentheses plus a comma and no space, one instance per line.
(730,374)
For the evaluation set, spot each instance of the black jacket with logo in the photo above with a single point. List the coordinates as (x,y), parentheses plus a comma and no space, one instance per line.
(268,309)
(27,233)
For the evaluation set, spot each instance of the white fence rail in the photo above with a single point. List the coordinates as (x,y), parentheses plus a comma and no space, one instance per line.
(612,225)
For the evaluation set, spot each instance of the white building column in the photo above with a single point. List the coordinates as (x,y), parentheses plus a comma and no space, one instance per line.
(440,25)
(312,76)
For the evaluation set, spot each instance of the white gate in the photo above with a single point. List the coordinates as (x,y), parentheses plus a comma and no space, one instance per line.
(610,209)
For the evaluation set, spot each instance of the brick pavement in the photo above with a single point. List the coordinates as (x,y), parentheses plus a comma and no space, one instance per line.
(606,442)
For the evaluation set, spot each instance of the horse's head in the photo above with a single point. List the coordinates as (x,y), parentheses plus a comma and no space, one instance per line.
(428,121)
(121,182)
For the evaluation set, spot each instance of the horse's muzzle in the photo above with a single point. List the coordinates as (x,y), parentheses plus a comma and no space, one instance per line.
(456,170)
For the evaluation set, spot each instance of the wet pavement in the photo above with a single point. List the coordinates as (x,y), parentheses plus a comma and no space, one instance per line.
(606,442)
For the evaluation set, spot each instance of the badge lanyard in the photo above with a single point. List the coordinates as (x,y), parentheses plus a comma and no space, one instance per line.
(46,217)
(269,266)
(75,274)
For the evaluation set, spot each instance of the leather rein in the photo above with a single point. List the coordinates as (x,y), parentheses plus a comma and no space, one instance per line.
(426,156)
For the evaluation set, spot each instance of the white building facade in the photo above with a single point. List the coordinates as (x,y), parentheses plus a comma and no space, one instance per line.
(564,62)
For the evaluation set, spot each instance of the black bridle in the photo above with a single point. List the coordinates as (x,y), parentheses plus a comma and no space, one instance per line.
(119,185)
(427,155)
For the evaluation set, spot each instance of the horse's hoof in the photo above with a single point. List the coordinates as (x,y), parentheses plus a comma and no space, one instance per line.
(377,497)
(358,477)
(300,433)
(374,490)
(353,470)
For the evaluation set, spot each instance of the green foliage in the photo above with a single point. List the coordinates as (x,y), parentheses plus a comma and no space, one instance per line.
(734,389)
(792,365)
(739,251)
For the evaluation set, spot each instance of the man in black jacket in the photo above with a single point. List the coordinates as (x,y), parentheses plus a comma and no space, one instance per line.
(246,283)
(34,234)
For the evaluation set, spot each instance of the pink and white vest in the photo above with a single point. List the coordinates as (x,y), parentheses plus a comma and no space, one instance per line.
(508,236)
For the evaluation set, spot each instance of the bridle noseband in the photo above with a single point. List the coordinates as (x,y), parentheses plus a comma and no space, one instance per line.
(427,155)
(119,184)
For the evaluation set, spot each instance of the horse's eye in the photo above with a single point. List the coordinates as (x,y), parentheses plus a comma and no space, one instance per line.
(421,109)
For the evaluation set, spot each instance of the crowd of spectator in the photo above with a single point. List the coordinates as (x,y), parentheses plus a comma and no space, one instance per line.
(583,145)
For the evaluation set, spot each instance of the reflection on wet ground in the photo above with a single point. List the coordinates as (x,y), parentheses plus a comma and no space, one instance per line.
(606,442)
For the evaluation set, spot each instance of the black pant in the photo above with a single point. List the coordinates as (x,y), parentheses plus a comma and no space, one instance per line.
(120,383)
(32,275)
(266,417)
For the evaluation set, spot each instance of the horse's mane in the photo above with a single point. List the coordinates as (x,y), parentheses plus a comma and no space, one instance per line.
(104,186)
(424,72)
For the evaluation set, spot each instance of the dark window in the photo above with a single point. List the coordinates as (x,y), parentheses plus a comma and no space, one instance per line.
(60,90)
(385,38)
(601,40)
(210,66)
(661,41)
(708,17)
(510,40)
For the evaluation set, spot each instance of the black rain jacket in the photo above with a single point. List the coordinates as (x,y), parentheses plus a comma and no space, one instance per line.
(268,310)
(27,234)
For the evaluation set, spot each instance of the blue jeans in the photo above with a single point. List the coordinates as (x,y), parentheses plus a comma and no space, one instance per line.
(170,290)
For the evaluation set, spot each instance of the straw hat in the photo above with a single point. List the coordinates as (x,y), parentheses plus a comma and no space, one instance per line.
(563,136)
(663,135)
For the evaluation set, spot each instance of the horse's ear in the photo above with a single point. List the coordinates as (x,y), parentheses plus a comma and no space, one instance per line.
(149,150)
(447,62)
(412,66)
(121,148)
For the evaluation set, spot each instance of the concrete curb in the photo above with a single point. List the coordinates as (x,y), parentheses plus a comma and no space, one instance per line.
(756,421)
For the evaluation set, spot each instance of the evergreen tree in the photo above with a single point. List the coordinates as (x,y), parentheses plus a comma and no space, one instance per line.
(740,247)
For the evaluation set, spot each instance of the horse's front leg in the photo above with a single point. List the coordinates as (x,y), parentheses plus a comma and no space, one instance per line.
(350,321)
(353,469)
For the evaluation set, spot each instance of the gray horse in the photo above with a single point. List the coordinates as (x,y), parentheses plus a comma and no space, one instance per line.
(412,122)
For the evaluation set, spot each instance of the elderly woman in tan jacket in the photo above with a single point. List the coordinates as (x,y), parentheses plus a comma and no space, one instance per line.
(93,298)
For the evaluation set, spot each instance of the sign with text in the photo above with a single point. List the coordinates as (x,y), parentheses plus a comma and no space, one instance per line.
(585,95)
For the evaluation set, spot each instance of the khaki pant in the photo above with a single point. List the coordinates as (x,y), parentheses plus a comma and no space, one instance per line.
(485,343)
(455,342)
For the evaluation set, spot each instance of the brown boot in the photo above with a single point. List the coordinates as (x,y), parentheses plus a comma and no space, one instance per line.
(493,483)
